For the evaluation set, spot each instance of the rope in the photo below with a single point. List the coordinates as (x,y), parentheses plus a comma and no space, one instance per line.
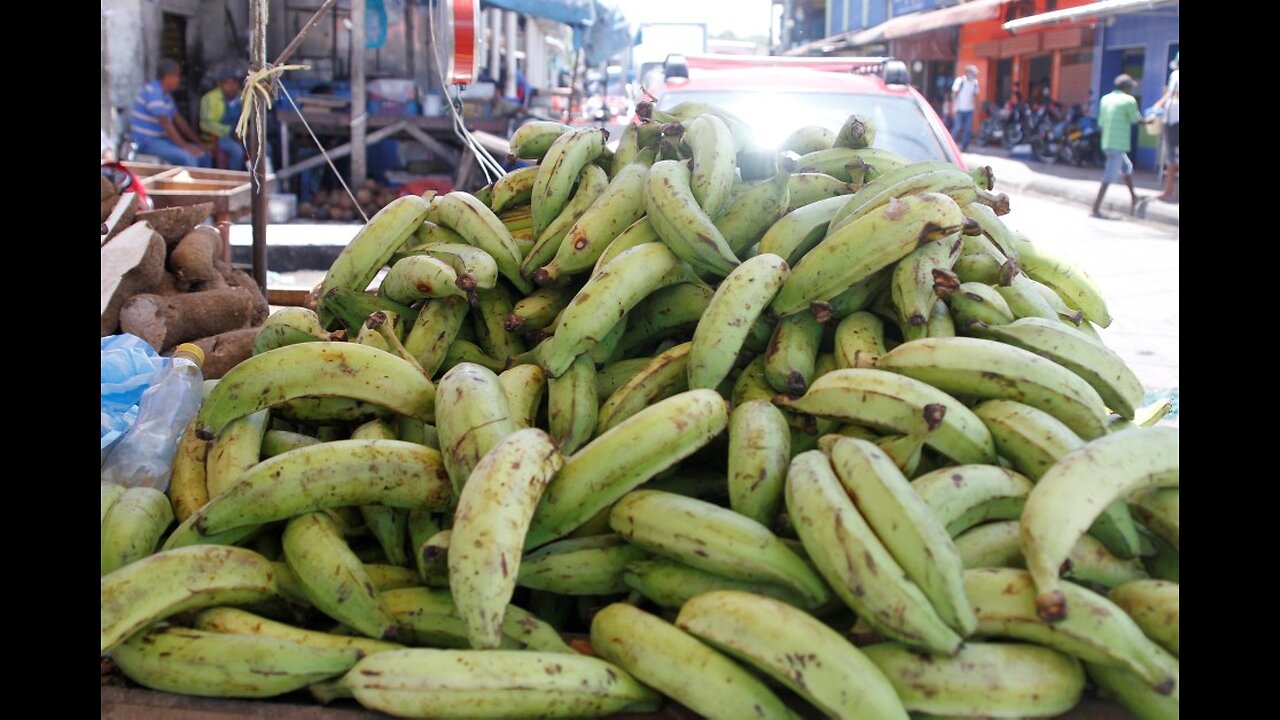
(256,91)
(325,153)
(257,97)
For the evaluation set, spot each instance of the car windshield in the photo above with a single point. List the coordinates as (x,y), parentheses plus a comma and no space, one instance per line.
(900,124)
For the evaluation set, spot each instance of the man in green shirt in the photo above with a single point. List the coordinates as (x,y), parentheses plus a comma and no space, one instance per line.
(219,112)
(1117,114)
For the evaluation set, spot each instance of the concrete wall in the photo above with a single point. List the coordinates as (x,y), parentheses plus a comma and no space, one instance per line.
(902,7)
(879,12)
(133,44)
(846,15)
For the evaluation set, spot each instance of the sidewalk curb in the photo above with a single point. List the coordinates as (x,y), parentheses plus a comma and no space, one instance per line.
(1014,175)
(1117,199)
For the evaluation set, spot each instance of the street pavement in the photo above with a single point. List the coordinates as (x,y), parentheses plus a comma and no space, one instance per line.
(1136,266)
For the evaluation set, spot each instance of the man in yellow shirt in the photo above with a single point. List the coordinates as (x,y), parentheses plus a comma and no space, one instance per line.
(219,111)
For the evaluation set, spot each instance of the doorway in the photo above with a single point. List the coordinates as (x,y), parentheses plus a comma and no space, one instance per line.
(1145,144)
(1004,80)
(1040,78)
(173,45)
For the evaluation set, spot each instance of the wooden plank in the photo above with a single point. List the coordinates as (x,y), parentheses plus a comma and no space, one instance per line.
(467,167)
(340,122)
(359,103)
(288,298)
(132,262)
(453,155)
(122,703)
(121,216)
(146,171)
(341,151)
(126,703)
(119,703)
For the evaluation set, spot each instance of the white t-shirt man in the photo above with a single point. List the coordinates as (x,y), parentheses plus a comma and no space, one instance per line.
(965,89)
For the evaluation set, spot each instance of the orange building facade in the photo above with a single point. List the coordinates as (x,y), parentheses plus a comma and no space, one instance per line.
(1057,57)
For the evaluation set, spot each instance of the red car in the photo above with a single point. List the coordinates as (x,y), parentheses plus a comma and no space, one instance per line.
(778,95)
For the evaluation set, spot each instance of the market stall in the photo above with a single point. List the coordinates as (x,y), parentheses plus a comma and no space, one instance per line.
(680,429)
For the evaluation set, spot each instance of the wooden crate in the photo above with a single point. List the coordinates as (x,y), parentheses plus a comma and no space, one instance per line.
(230,191)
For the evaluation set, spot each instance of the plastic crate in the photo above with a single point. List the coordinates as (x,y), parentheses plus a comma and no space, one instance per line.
(392,107)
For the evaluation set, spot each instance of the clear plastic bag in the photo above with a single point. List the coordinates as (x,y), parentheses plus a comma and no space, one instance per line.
(144,454)
(129,367)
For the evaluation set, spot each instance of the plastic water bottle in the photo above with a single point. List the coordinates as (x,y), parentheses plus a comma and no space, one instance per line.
(144,455)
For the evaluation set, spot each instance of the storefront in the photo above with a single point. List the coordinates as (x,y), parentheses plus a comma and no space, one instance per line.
(1039,62)
(1135,37)
(929,42)
(1142,45)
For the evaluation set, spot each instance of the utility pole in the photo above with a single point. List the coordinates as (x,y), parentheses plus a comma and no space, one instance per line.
(359,104)
(257,146)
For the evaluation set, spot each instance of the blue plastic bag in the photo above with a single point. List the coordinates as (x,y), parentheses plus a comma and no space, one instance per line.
(129,366)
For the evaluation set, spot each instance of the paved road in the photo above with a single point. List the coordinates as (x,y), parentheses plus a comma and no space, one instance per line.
(1135,263)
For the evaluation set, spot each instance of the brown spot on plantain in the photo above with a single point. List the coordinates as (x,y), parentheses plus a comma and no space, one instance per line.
(895,209)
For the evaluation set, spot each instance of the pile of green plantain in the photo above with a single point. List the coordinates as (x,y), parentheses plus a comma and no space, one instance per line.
(789,432)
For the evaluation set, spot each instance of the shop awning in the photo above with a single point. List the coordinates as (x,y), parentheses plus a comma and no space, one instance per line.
(598,25)
(569,12)
(609,35)
(1085,12)
(916,23)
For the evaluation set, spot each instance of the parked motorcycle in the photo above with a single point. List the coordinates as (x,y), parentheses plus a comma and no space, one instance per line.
(1019,126)
(1053,130)
(1083,144)
(991,132)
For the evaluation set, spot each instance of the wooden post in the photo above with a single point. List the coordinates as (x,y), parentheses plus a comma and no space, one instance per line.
(359,104)
(408,43)
(573,84)
(258,188)
(304,32)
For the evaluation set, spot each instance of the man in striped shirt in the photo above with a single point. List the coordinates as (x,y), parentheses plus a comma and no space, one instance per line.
(157,126)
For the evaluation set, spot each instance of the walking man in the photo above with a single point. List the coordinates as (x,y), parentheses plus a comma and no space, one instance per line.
(964,92)
(1117,113)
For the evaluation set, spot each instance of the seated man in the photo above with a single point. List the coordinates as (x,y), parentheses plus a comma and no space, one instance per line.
(158,128)
(219,112)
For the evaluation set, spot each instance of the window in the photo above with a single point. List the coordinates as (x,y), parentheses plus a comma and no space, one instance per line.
(900,122)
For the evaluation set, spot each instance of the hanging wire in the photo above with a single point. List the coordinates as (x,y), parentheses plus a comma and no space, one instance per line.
(257,97)
(325,153)
(491,168)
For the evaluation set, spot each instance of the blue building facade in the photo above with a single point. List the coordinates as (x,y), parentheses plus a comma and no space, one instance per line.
(847,15)
(1140,44)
